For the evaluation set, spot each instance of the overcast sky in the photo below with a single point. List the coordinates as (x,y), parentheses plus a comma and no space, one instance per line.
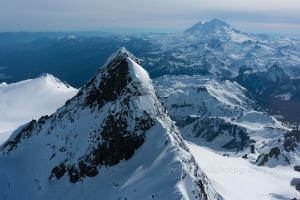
(256,16)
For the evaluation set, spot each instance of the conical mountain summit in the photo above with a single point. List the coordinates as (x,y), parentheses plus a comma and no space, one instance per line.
(113,140)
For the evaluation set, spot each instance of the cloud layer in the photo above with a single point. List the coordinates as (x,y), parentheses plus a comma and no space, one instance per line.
(173,15)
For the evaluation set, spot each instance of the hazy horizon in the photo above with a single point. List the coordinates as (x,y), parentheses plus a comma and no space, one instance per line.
(273,17)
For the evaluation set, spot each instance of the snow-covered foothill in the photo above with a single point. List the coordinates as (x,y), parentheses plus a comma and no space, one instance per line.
(216,113)
(30,99)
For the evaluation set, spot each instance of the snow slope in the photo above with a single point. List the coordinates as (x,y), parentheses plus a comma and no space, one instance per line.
(235,178)
(113,140)
(20,102)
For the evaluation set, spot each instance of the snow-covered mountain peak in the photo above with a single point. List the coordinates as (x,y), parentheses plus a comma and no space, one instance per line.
(115,139)
(121,70)
(52,80)
(120,54)
(49,77)
(44,75)
(25,100)
(212,26)
(135,70)
(216,22)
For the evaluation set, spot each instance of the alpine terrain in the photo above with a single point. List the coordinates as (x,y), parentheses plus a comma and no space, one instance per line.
(232,96)
(113,140)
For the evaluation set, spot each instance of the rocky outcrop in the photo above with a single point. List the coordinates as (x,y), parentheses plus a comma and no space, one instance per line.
(280,151)
(275,153)
(212,128)
(291,140)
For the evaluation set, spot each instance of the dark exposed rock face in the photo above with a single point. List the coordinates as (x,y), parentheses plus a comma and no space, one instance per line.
(283,150)
(292,138)
(59,171)
(24,133)
(211,128)
(274,153)
(297,168)
(296,184)
(252,149)
(298,187)
(110,86)
(119,144)
(188,120)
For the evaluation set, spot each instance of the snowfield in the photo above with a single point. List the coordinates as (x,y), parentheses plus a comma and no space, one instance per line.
(30,99)
(235,178)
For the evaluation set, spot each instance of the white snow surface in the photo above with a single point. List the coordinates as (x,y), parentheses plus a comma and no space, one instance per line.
(30,99)
(236,178)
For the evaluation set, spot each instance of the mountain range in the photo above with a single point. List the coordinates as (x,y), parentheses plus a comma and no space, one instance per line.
(204,49)
(214,87)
